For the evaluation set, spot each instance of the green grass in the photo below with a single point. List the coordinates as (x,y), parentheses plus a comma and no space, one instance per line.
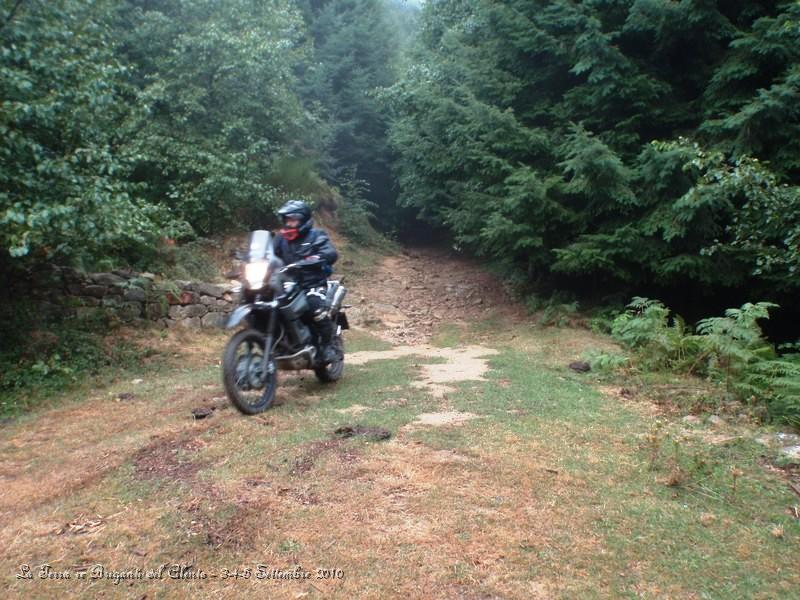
(358,340)
(658,536)
(643,519)
(78,358)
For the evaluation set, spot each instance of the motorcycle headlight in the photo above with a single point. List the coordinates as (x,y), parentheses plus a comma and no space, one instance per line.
(255,273)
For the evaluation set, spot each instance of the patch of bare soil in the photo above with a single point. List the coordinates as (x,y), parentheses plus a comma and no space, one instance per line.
(168,457)
(304,462)
(468,363)
(411,293)
(440,419)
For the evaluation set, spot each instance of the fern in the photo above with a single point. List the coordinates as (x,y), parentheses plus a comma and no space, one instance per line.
(729,350)
(646,327)
(737,348)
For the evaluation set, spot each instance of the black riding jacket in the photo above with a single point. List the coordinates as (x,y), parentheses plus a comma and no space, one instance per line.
(315,242)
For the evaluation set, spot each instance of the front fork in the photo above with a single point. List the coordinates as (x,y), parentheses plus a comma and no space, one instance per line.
(267,367)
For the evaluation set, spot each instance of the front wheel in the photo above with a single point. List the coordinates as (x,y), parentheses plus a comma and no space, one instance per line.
(333,371)
(249,386)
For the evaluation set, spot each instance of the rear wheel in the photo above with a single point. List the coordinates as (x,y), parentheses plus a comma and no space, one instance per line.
(249,386)
(333,371)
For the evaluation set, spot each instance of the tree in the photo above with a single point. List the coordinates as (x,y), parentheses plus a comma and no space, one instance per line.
(217,79)
(356,49)
(66,106)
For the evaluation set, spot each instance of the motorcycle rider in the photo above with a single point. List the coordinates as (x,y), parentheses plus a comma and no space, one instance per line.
(312,252)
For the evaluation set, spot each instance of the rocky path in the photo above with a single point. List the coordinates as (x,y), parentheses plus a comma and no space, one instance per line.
(413,292)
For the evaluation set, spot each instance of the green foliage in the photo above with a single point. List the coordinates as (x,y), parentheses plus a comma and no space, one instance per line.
(737,352)
(38,359)
(659,341)
(730,350)
(190,261)
(355,213)
(607,362)
(526,127)
(783,377)
(65,188)
(559,310)
(765,215)
(356,49)
(216,80)
(125,121)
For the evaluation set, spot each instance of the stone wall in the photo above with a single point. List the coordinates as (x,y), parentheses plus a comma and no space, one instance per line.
(132,296)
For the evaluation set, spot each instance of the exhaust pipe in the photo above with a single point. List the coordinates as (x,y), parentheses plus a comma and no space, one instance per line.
(338,297)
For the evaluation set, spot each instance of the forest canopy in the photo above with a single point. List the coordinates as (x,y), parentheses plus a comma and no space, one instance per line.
(126,121)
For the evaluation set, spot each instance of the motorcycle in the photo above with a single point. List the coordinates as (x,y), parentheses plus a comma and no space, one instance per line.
(275,337)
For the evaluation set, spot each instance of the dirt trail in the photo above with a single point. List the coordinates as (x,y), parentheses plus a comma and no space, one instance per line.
(462,502)
(71,447)
(57,465)
(411,293)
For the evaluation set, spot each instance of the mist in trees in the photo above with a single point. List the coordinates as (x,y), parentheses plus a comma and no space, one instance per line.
(124,121)
(357,51)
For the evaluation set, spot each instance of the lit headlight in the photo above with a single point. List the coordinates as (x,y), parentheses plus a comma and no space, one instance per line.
(255,273)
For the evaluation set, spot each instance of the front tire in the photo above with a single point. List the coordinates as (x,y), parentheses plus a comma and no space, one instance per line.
(333,371)
(249,389)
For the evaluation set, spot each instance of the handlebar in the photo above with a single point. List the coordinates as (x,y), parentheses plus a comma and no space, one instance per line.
(302,265)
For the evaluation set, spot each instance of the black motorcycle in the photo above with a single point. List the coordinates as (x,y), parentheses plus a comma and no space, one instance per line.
(275,337)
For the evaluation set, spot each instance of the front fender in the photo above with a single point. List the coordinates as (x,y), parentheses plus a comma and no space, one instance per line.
(238,315)
(241,312)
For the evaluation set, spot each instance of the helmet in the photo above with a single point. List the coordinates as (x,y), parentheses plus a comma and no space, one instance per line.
(295,209)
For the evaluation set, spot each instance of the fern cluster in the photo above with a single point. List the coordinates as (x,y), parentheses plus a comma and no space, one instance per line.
(730,350)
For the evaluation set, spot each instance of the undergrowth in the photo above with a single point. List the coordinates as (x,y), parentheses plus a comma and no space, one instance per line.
(729,350)
(40,359)
(356,214)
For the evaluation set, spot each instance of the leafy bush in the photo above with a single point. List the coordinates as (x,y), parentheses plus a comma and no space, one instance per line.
(559,314)
(784,375)
(735,348)
(65,186)
(559,310)
(355,212)
(605,362)
(191,261)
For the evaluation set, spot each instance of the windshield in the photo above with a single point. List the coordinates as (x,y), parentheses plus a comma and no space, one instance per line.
(259,246)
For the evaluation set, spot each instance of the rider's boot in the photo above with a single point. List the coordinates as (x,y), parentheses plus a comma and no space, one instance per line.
(325,331)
